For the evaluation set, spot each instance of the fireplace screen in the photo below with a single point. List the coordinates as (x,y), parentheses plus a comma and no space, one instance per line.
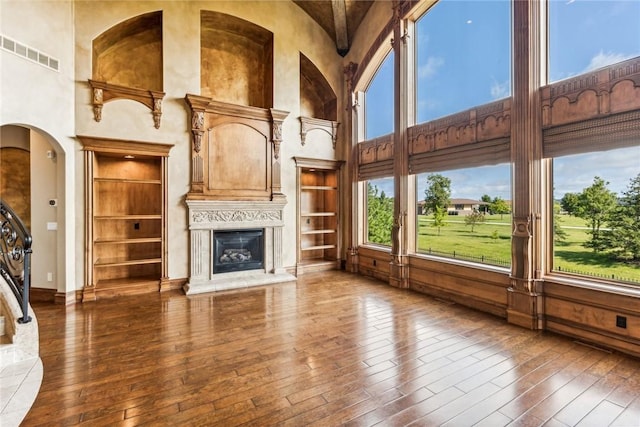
(237,250)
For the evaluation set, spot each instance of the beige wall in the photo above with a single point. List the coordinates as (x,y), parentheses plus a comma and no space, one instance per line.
(43,189)
(58,104)
(42,99)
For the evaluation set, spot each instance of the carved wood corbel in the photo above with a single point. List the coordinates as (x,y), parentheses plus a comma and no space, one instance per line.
(277,117)
(308,124)
(197,129)
(103,92)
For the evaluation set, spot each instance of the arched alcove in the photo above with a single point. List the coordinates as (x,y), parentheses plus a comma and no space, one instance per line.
(236,60)
(130,53)
(317,99)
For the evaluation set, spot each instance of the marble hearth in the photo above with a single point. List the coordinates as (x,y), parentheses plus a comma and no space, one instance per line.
(207,216)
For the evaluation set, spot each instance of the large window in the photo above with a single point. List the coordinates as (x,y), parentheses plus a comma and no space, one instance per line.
(596,184)
(586,35)
(379,101)
(463,56)
(466,214)
(379,211)
(597,214)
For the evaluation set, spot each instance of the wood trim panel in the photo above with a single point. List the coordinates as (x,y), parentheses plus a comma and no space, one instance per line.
(468,286)
(374,262)
(591,314)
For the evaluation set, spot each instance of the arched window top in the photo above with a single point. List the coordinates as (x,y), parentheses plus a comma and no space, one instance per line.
(379,101)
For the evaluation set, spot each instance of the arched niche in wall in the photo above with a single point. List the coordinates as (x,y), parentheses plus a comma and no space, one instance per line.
(236,60)
(318,102)
(127,64)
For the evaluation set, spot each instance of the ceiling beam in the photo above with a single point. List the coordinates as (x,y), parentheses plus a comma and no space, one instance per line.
(340,22)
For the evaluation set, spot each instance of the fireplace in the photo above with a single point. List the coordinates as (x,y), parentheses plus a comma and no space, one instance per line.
(216,226)
(237,250)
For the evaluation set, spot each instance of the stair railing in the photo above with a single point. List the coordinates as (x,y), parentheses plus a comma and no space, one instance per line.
(15,257)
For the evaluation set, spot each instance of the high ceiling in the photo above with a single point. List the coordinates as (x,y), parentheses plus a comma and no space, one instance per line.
(339,18)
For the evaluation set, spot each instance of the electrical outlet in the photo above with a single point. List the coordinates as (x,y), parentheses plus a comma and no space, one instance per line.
(621,322)
(49,277)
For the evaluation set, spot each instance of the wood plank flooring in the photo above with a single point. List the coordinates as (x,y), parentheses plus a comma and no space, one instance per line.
(330,349)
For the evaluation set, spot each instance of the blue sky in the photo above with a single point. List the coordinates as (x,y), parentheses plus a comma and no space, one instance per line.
(464,60)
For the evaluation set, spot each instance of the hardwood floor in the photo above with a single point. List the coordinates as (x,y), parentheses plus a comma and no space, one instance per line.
(329,349)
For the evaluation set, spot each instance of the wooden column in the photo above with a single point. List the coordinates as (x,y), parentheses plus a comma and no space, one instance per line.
(351,214)
(398,269)
(525,306)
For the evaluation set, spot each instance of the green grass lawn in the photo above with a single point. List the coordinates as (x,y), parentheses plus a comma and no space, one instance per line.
(490,243)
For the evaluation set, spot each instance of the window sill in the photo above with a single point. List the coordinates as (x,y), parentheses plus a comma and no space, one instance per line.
(601,286)
(462,263)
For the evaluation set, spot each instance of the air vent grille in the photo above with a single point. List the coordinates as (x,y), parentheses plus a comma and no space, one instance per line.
(29,53)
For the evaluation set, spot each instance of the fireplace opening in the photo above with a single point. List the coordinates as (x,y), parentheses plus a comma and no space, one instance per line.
(238,250)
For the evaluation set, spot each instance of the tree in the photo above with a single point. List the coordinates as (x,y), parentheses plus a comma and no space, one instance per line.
(379,216)
(559,235)
(623,238)
(595,203)
(436,198)
(487,199)
(474,218)
(439,218)
(499,206)
(569,203)
(437,193)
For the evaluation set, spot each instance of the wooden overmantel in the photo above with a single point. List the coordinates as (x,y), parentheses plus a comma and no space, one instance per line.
(235,153)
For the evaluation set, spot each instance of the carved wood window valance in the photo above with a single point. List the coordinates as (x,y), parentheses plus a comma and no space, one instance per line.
(476,137)
(375,158)
(594,111)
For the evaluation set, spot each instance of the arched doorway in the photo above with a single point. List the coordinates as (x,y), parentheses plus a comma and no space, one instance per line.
(30,184)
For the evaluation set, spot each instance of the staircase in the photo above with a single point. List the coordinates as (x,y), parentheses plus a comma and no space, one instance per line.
(20,365)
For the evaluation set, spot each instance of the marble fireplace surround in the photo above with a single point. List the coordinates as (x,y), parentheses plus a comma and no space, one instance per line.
(207,216)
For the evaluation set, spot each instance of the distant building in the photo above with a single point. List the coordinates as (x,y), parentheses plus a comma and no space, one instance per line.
(457,206)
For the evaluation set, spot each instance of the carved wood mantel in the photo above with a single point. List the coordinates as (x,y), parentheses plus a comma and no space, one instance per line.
(236,151)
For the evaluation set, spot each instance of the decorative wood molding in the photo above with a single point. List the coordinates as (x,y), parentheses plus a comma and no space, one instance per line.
(610,90)
(376,150)
(109,145)
(103,92)
(484,123)
(252,126)
(277,117)
(309,124)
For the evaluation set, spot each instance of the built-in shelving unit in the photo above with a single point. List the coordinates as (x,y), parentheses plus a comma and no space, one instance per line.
(126,217)
(318,214)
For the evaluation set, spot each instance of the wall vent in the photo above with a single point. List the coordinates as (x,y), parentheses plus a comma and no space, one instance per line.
(29,53)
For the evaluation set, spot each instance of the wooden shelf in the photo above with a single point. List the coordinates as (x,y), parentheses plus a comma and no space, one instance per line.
(318,213)
(126,209)
(114,262)
(319,247)
(312,214)
(318,187)
(306,232)
(128,240)
(126,217)
(128,181)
